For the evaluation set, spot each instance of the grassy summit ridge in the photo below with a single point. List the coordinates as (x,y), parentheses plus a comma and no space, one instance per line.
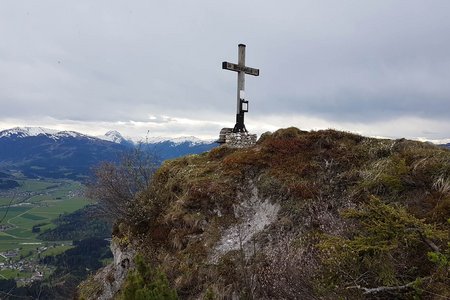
(342,216)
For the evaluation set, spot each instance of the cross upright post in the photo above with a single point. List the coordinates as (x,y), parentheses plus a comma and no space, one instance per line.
(240,126)
(242,104)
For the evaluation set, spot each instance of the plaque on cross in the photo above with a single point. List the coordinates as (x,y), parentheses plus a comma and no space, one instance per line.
(242,104)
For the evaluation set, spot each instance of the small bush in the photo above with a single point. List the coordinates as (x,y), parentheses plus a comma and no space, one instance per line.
(385,249)
(146,283)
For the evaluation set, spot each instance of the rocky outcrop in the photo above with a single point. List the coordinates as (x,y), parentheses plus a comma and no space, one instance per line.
(254,214)
(108,281)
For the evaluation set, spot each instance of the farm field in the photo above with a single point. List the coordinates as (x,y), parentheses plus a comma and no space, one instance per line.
(28,211)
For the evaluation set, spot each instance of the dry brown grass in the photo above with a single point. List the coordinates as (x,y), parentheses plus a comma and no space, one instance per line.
(313,176)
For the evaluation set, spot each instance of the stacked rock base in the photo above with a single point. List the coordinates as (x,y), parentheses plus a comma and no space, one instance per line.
(240,140)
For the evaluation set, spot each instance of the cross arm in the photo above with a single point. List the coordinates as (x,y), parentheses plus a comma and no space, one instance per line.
(239,68)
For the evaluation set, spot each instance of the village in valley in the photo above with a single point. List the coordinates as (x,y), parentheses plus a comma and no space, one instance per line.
(27,269)
(28,211)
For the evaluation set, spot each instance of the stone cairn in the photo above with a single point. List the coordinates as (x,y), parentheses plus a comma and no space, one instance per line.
(236,139)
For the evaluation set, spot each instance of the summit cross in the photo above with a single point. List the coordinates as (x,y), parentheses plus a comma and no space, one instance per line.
(242,104)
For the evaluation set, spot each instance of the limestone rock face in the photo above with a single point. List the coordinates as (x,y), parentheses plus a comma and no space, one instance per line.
(109,280)
(255,214)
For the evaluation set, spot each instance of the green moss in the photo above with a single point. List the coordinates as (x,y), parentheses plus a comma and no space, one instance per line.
(146,283)
(210,295)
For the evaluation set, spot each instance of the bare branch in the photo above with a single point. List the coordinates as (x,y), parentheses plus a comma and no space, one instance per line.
(116,185)
(381,289)
(426,240)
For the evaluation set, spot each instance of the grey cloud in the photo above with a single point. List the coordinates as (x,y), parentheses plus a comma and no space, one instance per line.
(106,61)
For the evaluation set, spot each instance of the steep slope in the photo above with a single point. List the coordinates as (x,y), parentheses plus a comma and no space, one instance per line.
(301,215)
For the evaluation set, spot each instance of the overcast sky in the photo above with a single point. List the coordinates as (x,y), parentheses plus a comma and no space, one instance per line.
(379,68)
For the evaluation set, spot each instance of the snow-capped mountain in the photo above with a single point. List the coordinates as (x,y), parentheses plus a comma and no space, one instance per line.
(26,131)
(115,137)
(22,132)
(178,140)
(111,136)
(42,152)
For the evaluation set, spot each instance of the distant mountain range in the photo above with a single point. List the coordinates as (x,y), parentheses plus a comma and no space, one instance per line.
(40,152)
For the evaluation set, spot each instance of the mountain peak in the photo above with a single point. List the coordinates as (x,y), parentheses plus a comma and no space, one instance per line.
(192,140)
(69,154)
(23,132)
(27,131)
(114,136)
(113,133)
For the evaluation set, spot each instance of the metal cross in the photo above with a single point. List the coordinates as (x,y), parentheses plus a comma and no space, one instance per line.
(242,104)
